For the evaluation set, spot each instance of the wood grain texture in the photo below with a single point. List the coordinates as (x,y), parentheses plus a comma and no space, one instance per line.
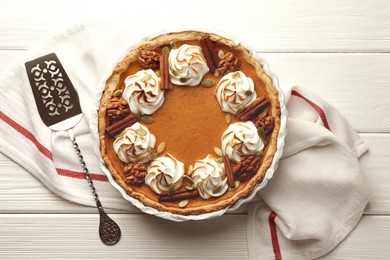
(274,26)
(37,236)
(369,240)
(356,84)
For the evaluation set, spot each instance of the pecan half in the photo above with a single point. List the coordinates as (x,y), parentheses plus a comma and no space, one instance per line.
(135,173)
(265,122)
(247,167)
(228,63)
(117,108)
(149,59)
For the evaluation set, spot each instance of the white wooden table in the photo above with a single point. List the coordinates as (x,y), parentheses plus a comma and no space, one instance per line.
(338,48)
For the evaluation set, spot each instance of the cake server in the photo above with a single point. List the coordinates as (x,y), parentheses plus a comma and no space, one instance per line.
(59,108)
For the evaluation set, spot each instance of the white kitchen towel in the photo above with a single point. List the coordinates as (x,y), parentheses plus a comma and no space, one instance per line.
(308,208)
(318,193)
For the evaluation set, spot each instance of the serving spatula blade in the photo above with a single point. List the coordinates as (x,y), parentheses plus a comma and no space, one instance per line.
(59,108)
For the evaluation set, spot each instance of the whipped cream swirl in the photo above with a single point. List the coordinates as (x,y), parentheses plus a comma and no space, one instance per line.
(240,139)
(210,178)
(165,173)
(143,93)
(187,65)
(235,89)
(133,144)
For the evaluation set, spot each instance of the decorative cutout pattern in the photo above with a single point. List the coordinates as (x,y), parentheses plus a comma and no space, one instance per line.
(50,83)
(53,91)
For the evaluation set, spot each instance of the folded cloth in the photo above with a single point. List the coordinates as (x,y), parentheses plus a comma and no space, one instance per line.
(318,193)
(315,198)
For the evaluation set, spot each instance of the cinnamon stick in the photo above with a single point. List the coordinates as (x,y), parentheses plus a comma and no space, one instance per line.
(229,171)
(207,55)
(120,125)
(163,72)
(253,109)
(213,52)
(179,195)
(167,71)
(209,52)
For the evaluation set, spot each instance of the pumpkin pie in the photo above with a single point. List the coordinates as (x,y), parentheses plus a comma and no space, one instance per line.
(188,123)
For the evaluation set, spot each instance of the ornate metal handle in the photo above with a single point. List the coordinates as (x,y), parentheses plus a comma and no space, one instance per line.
(109,231)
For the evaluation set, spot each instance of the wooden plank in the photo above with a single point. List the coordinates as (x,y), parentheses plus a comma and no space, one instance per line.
(356,84)
(37,236)
(22,193)
(7,58)
(274,26)
(369,240)
(375,165)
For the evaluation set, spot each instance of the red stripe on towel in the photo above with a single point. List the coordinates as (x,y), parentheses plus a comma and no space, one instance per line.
(46,152)
(319,110)
(80,175)
(274,236)
(23,131)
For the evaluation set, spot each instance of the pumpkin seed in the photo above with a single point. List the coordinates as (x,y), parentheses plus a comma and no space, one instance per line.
(221,54)
(218,151)
(147,119)
(146,77)
(138,115)
(259,153)
(228,118)
(158,73)
(141,132)
(171,190)
(165,50)
(248,93)
(173,45)
(216,73)
(188,179)
(117,93)
(201,188)
(183,203)
(223,172)
(220,160)
(190,169)
(261,133)
(143,157)
(151,150)
(217,189)
(207,83)
(236,185)
(161,147)
(120,134)
(236,75)
(189,188)
(174,72)
(240,109)
(149,157)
